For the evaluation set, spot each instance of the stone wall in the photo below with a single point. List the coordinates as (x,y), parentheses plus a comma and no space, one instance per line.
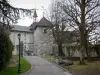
(43,41)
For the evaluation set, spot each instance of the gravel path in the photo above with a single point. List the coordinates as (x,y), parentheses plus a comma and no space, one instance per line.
(43,67)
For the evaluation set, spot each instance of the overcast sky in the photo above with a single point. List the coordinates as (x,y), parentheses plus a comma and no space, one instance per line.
(30,4)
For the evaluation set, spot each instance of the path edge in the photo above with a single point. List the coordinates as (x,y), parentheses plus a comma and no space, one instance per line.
(28,70)
(58,66)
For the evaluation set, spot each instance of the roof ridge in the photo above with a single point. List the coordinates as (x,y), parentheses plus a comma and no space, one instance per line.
(44,22)
(21,28)
(20,25)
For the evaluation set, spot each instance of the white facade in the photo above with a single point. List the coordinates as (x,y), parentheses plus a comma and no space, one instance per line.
(39,42)
(37,37)
(26,38)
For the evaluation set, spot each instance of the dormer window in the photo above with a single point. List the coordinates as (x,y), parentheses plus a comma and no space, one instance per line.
(45,31)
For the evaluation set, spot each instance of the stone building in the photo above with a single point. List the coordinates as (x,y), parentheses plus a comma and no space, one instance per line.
(43,38)
(37,38)
(26,38)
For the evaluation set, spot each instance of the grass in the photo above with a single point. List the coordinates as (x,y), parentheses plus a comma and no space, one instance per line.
(89,65)
(76,66)
(25,66)
(50,58)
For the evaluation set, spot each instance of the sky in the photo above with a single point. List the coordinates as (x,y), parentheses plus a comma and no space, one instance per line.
(31,4)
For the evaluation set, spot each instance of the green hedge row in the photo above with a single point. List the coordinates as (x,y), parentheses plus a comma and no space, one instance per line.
(78,46)
(6,48)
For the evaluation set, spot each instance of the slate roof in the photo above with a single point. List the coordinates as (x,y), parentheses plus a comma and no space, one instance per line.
(33,25)
(20,28)
(44,23)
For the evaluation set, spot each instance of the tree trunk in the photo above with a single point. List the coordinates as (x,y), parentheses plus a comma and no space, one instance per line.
(82,31)
(82,49)
(60,50)
(97,51)
(87,48)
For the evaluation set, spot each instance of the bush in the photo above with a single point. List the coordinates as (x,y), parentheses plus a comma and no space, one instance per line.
(6,48)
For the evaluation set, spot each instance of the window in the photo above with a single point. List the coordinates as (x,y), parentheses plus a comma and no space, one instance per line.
(45,31)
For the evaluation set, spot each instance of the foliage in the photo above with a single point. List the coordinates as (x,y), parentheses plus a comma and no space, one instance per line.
(10,14)
(73,47)
(78,46)
(6,48)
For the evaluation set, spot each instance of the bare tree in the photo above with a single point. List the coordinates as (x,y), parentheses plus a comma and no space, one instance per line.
(83,15)
(59,27)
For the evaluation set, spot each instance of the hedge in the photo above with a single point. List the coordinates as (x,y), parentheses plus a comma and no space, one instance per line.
(6,48)
(78,46)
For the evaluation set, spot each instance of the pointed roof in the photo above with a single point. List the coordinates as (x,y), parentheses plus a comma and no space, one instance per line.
(44,23)
(35,14)
(33,25)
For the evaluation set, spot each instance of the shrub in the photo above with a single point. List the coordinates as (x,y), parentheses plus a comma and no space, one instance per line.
(6,48)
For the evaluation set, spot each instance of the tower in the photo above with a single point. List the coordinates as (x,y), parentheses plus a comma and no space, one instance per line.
(35,16)
(42,37)
(33,25)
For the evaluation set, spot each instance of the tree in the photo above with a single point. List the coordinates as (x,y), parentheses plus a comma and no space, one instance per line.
(6,48)
(10,14)
(95,36)
(61,30)
(83,15)
(59,27)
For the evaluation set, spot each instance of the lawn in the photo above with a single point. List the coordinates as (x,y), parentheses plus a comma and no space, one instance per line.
(91,68)
(25,66)
(50,58)
(89,65)
(76,66)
